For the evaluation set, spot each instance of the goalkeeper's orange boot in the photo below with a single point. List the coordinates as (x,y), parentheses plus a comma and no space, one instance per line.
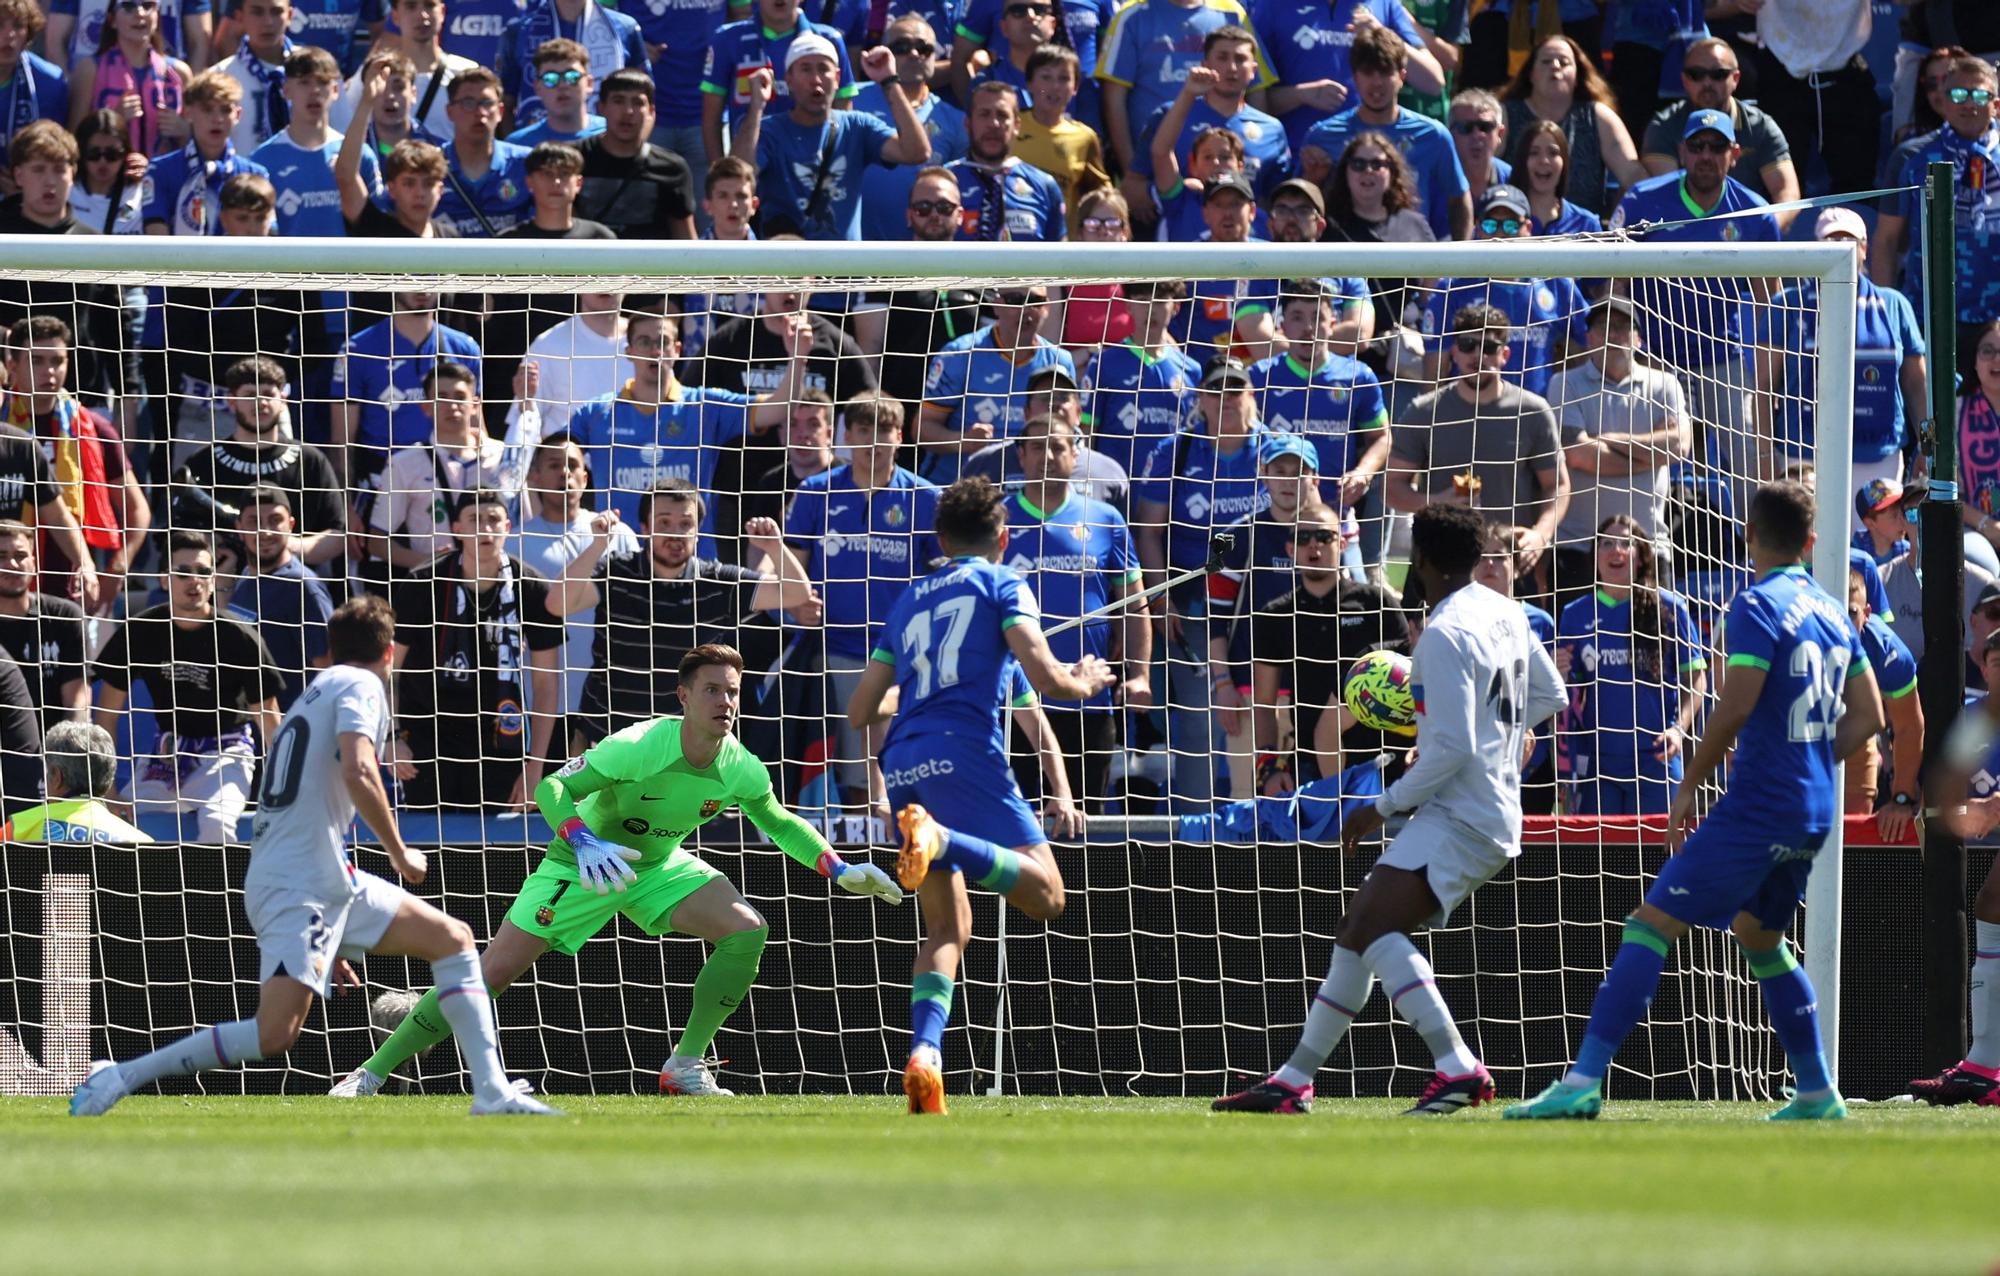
(923,842)
(924,1085)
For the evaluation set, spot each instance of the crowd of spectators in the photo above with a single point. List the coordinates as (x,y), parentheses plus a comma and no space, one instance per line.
(560,493)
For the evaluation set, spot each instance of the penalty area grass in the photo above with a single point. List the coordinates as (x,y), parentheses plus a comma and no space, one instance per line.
(809,1185)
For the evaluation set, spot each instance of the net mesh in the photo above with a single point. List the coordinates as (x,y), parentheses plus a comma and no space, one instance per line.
(1190,946)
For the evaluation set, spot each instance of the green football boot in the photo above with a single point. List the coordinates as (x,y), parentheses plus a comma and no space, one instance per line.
(1561,1103)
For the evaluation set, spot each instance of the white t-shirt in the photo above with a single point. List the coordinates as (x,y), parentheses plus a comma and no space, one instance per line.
(435,121)
(299,840)
(577,366)
(422,482)
(256,127)
(1481,682)
(548,547)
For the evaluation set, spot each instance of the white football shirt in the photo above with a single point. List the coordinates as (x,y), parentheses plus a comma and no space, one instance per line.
(299,839)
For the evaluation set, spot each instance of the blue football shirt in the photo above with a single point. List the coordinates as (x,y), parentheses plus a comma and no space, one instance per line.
(1208,488)
(1133,399)
(947,639)
(1084,22)
(1267,155)
(791,156)
(864,548)
(885,188)
(1150,44)
(1885,334)
(741,49)
(1542,312)
(683,30)
(185,192)
(1311,40)
(1329,404)
(385,374)
(1031,201)
(1694,323)
(1617,706)
(308,197)
(630,446)
(501,194)
(977,383)
(1077,558)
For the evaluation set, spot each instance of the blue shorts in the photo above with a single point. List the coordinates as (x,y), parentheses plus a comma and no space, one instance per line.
(1728,869)
(968,787)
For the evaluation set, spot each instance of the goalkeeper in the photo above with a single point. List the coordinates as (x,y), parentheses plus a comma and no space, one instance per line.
(621,812)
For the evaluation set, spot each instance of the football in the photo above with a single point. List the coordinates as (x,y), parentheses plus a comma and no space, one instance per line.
(1378,693)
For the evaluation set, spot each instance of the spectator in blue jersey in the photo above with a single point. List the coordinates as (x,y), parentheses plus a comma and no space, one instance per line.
(183,186)
(864,531)
(885,191)
(1696,327)
(486,183)
(76,30)
(1001,196)
(657,428)
(257,64)
(1146,51)
(1178,195)
(1025,25)
(1636,672)
(1896,674)
(1969,140)
(1890,376)
(1380,58)
(812,156)
(1710,75)
(677,37)
(1231,316)
(562,84)
(1478,126)
(1545,316)
(31,87)
(1332,399)
(1191,484)
(1882,514)
(1076,553)
(1302,644)
(1215,94)
(278,593)
(380,378)
(761,43)
(420,26)
(334,24)
(1311,44)
(300,157)
(1139,390)
(1544,177)
(610,41)
(976,389)
(990,26)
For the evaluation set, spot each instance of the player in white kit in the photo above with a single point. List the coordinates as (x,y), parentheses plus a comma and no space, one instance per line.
(311,908)
(1482,684)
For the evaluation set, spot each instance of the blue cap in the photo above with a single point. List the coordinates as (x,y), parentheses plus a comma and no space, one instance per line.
(1277,445)
(1710,122)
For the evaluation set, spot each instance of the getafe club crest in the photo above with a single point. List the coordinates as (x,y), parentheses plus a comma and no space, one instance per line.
(894,516)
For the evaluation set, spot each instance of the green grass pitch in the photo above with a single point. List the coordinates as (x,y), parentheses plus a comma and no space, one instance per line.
(390,1185)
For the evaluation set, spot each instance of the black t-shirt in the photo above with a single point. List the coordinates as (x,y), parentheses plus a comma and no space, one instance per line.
(228,471)
(746,356)
(581,228)
(645,626)
(365,308)
(26,481)
(212,328)
(1314,640)
(465,658)
(48,645)
(918,326)
(20,741)
(101,362)
(644,196)
(204,681)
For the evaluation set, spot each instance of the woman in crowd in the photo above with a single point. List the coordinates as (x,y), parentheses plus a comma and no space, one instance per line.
(1979,434)
(1371,198)
(109,193)
(1560,85)
(133,76)
(1091,316)
(1544,175)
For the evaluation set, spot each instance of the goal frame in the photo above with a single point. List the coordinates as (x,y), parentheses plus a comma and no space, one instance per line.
(714,266)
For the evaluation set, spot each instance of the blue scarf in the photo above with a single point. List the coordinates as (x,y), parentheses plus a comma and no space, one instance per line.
(201,192)
(23,98)
(273,113)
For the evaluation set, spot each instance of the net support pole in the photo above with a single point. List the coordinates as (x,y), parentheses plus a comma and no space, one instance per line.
(999,999)
(1834,465)
(1941,675)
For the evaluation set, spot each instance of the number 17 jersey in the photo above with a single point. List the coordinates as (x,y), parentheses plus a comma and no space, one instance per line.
(946,637)
(1784,773)
(303,807)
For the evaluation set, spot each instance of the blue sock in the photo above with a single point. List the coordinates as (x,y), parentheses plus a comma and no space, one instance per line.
(1621,999)
(930,1009)
(982,862)
(1788,995)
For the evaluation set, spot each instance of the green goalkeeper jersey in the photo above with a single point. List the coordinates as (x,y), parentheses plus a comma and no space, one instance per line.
(636,788)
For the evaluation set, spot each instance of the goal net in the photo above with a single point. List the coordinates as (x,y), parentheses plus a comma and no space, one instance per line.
(442,422)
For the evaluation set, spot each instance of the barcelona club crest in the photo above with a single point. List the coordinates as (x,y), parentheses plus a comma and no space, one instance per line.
(545,916)
(710,808)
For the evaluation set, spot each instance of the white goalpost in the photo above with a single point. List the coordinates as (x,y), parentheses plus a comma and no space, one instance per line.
(1180,964)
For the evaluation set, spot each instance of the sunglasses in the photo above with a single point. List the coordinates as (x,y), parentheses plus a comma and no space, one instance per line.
(933,207)
(1104,223)
(1466,128)
(1711,74)
(1023,299)
(192,571)
(95,155)
(1978,97)
(1500,225)
(1714,146)
(556,79)
(1316,536)
(909,48)
(1477,345)
(1368,164)
(138,6)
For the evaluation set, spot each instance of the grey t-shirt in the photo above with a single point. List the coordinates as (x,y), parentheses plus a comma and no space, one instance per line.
(1762,140)
(1905,588)
(1647,400)
(1505,444)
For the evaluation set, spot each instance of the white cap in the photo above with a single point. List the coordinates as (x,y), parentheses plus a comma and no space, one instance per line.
(810,45)
(1840,221)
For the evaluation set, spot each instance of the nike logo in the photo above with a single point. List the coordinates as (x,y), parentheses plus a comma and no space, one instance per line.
(647,797)
(1677,890)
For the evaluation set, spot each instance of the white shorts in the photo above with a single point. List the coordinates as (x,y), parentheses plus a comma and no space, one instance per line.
(215,784)
(300,934)
(1453,859)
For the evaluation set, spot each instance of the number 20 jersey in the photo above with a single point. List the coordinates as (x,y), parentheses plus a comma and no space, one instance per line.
(1784,773)
(947,639)
(303,808)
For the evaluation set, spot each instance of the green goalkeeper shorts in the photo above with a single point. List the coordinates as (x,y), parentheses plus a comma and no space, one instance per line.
(555,905)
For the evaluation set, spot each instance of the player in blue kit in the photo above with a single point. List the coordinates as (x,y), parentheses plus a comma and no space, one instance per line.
(1797,700)
(949,649)
(1633,659)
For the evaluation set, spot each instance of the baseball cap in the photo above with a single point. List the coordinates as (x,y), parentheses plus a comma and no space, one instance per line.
(1277,445)
(1304,190)
(1053,372)
(811,45)
(1604,307)
(1990,594)
(1511,198)
(1879,495)
(1224,370)
(1228,182)
(1709,122)
(1838,221)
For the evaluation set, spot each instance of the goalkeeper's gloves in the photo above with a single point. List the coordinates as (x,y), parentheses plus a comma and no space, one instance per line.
(600,864)
(866,879)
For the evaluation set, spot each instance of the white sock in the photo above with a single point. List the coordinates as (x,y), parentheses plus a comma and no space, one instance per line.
(1341,995)
(1985,995)
(463,1001)
(1413,992)
(217,1047)
(929,1057)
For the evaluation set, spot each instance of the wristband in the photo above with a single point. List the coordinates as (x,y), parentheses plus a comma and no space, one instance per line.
(829,865)
(570,827)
